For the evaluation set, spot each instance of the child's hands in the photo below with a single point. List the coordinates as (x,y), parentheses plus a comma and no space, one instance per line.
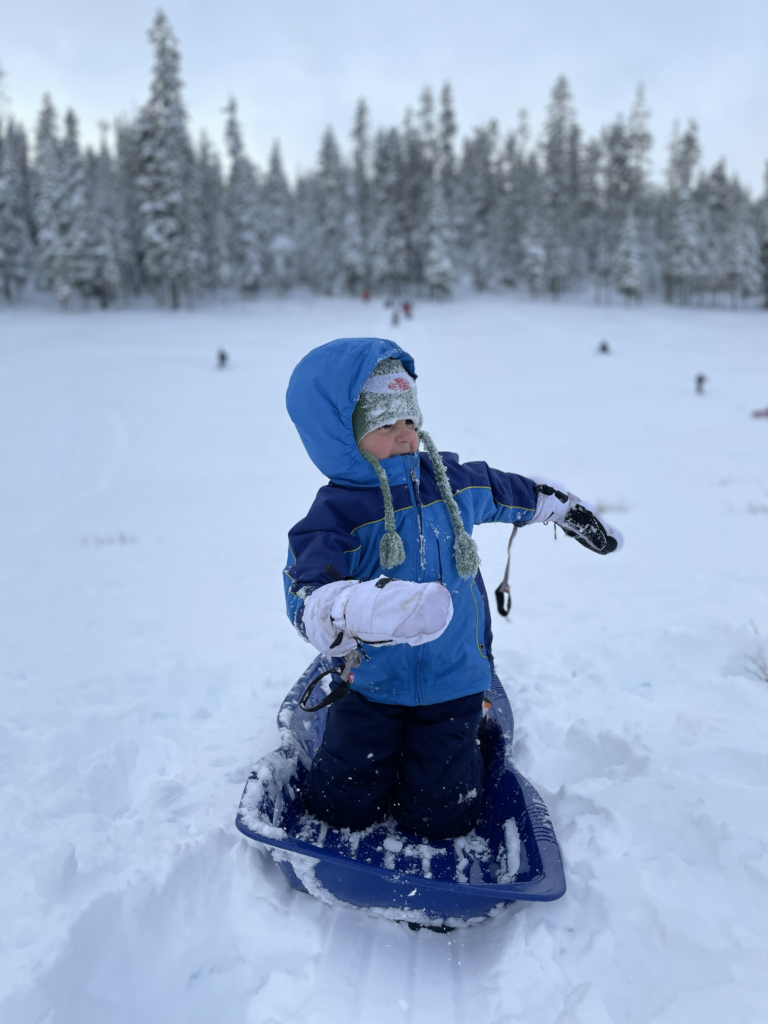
(381,612)
(575,518)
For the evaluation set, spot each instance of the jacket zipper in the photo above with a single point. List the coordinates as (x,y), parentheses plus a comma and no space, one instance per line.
(416,499)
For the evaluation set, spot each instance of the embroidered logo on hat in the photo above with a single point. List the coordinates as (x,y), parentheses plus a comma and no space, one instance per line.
(384,382)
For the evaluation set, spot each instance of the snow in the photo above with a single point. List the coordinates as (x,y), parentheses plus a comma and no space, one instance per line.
(144,503)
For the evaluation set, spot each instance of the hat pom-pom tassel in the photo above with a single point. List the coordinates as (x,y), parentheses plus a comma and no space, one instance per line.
(391,551)
(467,555)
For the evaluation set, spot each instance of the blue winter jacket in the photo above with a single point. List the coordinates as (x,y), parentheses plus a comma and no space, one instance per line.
(340,536)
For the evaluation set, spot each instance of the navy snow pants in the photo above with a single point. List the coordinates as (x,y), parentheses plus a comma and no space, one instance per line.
(421,763)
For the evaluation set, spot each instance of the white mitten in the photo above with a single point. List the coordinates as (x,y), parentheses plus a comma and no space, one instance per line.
(318,626)
(382,612)
(576,518)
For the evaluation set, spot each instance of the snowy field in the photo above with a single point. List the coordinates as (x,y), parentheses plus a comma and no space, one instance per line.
(145,499)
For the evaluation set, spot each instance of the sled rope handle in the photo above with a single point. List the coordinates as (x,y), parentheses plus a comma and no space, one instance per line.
(502,592)
(346,676)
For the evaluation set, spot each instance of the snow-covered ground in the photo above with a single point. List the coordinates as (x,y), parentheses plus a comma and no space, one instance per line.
(144,503)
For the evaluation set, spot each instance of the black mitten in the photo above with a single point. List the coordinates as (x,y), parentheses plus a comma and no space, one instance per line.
(576,519)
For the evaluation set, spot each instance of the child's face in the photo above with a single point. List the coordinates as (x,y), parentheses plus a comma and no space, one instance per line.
(397,439)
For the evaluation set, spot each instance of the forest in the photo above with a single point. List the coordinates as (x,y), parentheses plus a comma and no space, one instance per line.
(411,210)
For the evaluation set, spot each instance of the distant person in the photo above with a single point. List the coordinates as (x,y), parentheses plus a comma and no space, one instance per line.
(222,358)
(395,317)
(604,348)
(383,565)
(701,380)
(408,309)
(366,295)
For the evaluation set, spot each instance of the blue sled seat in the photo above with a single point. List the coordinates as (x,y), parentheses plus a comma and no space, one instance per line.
(512,854)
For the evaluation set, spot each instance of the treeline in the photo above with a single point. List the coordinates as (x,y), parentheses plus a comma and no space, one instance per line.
(407,209)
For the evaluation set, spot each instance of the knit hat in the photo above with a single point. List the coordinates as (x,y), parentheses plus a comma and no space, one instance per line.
(388,395)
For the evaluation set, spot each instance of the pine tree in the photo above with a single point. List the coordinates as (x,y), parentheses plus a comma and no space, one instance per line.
(762,233)
(243,208)
(446,157)
(389,251)
(217,270)
(439,268)
(354,264)
(561,150)
(98,269)
(128,220)
(194,226)
(416,174)
(278,215)
(478,206)
(741,257)
(16,246)
(47,198)
(163,169)
(534,254)
(360,191)
(683,263)
(628,268)
(77,226)
(327,230)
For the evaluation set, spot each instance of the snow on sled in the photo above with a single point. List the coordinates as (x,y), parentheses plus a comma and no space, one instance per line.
(512,854)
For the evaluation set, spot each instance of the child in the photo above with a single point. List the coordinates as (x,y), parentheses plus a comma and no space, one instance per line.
(385,561)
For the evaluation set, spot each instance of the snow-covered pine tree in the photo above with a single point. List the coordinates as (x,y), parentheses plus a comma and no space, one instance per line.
(278,218)
(99,270)
(534,254)
(560,196)
(517,202)
(762,232)
(477,207)
(128,222)
(741,252)
(217,270)
(16,246)
(640,195)
(47,197)
(389,250)
(439,267)
(354,264)
(163,170)
(76,268)
(446,136)
(360,191)
(683,263)
(194,225)
(628,266)
(417,171)
(327,230)
(243,209)
(592,221)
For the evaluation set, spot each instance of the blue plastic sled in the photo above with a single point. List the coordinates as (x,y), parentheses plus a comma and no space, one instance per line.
(511,855)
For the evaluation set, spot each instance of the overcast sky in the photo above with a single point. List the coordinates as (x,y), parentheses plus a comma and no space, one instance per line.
(298,65)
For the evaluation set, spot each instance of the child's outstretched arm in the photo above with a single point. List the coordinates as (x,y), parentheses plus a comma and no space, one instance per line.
(500,497)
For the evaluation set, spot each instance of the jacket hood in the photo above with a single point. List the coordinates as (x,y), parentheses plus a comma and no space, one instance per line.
(322,394)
